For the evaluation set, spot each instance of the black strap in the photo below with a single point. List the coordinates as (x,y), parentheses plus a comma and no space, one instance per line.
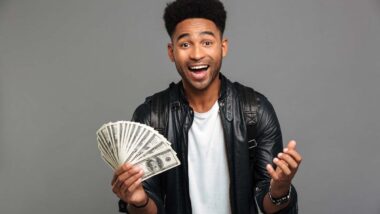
(249,107)
(159,112)
(248,102)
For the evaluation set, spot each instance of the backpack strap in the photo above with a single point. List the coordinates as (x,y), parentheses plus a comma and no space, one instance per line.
(159,112)
(249,107)
(248,102)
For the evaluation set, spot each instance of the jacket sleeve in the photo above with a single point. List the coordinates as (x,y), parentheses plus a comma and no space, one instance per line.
(152,185)
(269,144)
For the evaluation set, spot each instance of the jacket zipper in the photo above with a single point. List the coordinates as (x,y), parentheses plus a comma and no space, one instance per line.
(187,123)
(228,151)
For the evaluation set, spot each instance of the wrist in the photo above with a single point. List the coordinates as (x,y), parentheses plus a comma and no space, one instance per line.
(280,197)
(142,204)
(279,190)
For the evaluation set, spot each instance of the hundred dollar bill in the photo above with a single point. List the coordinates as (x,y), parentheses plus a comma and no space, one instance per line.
(141,138)
(148,152)
(158,164)
(106,143)
(126,141)
(109,163)
(151,141)
(106,153)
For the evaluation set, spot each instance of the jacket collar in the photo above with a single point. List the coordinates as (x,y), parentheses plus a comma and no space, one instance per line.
(225,97)
(222,95)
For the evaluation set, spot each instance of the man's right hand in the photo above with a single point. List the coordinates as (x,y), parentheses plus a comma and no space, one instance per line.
(126,184)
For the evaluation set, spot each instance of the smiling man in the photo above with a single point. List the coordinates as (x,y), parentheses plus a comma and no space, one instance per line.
(197,49)
(226,135)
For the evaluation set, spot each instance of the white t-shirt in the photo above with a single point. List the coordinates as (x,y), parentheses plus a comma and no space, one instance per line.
(209,179)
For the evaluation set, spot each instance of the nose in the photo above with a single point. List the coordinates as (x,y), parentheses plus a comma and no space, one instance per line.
(196,53)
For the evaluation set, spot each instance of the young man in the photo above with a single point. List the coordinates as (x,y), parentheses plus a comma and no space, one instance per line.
(205,123)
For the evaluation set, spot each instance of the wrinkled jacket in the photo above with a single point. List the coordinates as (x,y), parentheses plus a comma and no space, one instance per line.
(249,180)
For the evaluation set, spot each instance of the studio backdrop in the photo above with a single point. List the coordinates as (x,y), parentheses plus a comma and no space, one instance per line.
(67,67)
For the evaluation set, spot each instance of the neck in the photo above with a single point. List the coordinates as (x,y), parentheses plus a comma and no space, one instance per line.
(203,100)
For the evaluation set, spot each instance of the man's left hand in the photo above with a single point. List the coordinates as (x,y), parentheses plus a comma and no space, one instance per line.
(287,163)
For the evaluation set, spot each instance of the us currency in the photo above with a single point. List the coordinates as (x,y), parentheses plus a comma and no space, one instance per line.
(131,135)
(163,161)
(112,132)
(107,144)
(149,151)
(110,163)
(106,153)
(126,141)
(149,142)
(140,140)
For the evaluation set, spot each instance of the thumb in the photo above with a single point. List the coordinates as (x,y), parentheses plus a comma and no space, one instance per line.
(292,145)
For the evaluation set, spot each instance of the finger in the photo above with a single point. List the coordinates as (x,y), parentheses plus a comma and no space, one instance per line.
(126,175)
(133,179)
(135,185)
(123,190)
(119,171)
(282,165)
(295,155)
(291,145)
(116,190)
(272,172)
(127,190)
(123,168)
(288,160)
(113,179)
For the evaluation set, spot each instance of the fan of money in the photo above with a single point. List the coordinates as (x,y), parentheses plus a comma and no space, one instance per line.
(136,143)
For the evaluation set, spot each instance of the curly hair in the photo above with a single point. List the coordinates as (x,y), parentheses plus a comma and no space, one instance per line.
(179,10)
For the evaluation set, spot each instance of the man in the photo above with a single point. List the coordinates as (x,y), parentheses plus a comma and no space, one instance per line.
(206,126)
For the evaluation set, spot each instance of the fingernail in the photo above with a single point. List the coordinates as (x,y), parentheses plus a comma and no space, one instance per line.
(286,149)
(275,159)
(279,154)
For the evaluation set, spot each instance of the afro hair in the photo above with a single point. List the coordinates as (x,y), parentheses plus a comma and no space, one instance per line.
(179,10)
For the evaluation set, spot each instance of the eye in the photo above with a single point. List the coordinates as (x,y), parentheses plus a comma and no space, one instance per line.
(185,45)
(207,43)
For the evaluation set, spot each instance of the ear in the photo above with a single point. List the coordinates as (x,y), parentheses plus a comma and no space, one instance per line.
(224,47)
(170,51)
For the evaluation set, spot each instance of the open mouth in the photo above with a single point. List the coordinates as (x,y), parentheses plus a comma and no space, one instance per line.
(198,68)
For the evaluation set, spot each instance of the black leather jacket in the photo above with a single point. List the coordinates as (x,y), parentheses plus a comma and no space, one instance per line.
(249,180)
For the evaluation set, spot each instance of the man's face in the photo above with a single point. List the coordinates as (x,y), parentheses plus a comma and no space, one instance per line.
(197,50)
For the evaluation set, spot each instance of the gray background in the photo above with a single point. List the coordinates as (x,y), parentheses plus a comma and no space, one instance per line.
(67,67)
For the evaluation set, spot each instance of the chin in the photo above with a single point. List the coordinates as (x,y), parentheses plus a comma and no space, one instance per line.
(200,86)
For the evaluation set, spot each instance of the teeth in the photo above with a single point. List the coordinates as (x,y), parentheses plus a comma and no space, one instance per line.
(198,67)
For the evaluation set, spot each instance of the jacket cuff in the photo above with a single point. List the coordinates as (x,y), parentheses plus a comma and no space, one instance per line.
(123,206)
(262,190)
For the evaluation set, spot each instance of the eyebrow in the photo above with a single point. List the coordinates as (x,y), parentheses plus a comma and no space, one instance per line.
(201,33)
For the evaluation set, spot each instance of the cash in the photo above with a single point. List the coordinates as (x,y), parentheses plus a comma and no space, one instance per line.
(125,141)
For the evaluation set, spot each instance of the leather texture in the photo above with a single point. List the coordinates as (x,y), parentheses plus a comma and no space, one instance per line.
(248,176)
